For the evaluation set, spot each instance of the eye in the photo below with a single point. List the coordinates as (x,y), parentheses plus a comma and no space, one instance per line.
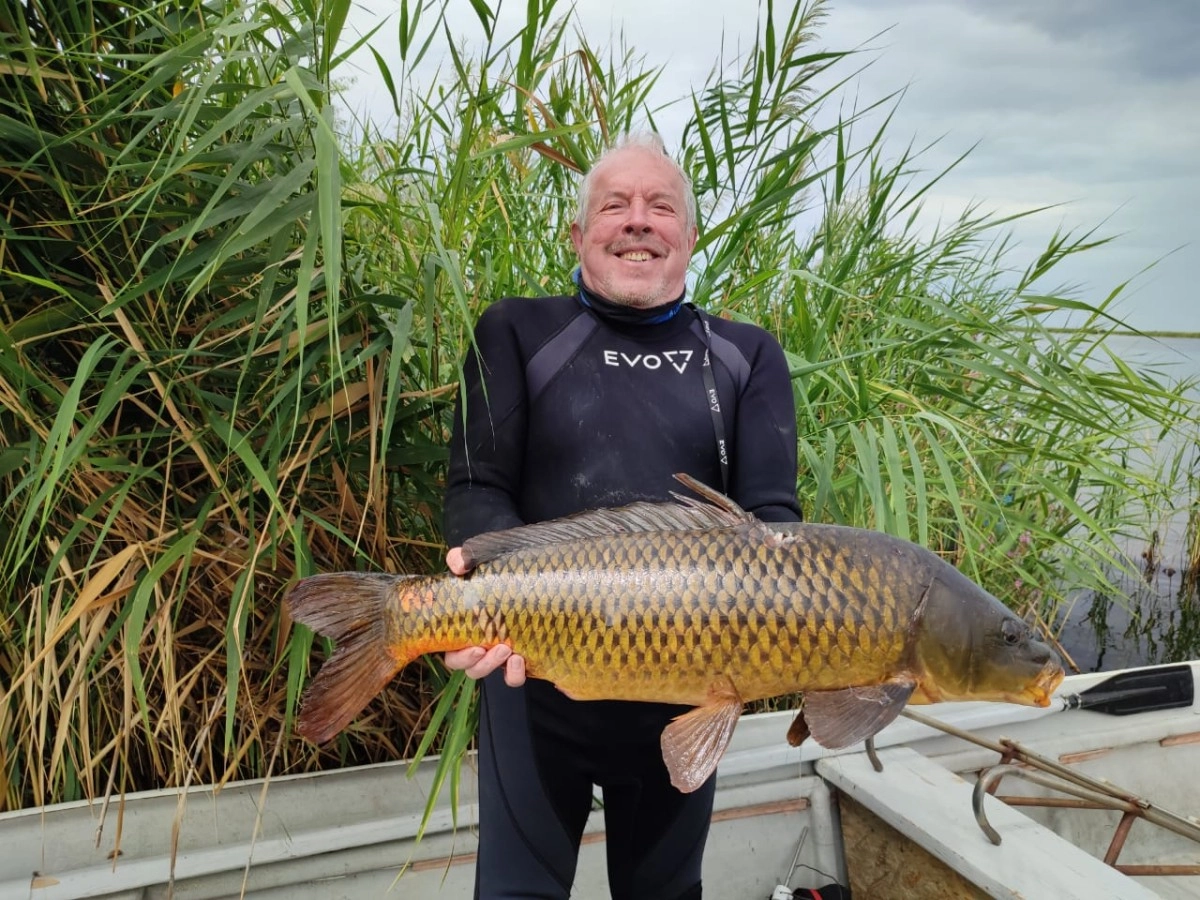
(1013,631)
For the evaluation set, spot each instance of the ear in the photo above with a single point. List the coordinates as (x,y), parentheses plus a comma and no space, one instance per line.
(577,239)
(692,238)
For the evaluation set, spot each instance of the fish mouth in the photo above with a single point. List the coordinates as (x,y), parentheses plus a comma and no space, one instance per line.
(1039,691)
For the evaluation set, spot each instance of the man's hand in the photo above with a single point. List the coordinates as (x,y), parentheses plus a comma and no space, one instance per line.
(480,661)
(455,562)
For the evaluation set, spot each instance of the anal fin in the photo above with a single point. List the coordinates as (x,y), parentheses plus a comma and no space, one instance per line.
(694,743)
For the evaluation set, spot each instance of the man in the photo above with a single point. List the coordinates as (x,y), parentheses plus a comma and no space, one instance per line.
(591,400)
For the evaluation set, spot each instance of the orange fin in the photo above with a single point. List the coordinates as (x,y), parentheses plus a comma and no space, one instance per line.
(798,731)
(694,743)
(347,607)
(840,718)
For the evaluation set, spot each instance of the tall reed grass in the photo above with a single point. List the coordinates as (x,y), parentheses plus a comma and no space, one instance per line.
(232,324)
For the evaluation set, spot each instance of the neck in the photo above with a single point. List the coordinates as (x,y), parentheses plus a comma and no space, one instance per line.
(649,315)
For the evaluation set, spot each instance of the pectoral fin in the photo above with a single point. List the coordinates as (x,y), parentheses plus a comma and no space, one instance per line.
(694,743)
(840,718)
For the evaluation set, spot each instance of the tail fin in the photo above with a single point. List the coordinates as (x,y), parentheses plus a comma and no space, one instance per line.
(349,608)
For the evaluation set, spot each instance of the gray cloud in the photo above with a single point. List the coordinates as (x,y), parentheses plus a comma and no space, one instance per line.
(1156,39)
(1067,108)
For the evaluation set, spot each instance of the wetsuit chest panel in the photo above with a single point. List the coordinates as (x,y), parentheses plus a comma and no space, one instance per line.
(616,422)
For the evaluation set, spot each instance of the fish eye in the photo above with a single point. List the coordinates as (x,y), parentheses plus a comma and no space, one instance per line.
(1013,632)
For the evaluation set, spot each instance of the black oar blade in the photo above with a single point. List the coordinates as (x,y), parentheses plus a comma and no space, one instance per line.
(1138,691)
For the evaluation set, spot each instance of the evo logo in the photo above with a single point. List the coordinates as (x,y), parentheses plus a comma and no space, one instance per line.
(676,359)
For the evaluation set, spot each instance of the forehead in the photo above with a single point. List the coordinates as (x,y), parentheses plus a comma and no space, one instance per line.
(635,169)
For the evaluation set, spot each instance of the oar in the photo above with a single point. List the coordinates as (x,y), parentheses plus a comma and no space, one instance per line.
(1137,691)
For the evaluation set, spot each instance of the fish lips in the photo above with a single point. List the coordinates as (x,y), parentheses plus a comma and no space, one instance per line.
(1039,691)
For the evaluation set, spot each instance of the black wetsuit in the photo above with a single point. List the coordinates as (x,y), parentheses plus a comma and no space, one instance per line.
(575,404)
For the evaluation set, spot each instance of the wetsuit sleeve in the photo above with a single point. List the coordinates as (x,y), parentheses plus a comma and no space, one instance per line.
(763,477)
(487,446)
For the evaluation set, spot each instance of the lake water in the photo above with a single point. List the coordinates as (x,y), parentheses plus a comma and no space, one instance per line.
(1157,619)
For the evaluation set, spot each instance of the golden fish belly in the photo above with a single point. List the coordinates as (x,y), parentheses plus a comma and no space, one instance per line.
(634,618)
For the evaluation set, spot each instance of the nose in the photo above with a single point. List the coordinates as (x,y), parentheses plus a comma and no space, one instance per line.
(637,217)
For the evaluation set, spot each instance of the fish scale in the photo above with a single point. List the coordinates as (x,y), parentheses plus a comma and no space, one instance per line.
(695,603)
(776,619)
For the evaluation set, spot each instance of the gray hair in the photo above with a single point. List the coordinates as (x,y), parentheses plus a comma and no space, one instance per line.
(639,140)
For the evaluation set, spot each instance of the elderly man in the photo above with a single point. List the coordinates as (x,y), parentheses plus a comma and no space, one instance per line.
(587,400)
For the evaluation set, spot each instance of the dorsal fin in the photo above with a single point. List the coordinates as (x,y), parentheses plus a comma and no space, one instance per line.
(685,514)
(713,497)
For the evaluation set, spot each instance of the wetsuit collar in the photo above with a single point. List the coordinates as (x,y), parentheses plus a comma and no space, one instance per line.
(619,312)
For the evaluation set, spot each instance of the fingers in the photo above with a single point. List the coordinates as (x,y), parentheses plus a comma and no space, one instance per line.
(514,671)
(463,659)
(479,662)
(455,562)
(490,661)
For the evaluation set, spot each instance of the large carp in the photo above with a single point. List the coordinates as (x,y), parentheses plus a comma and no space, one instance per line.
(692,602)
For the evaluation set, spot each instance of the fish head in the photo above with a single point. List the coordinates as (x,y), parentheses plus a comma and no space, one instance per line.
(970,646)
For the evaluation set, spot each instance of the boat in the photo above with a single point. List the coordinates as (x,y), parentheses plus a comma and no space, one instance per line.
(1011,802)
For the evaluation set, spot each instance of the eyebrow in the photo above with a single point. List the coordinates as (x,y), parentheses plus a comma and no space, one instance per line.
(623,194)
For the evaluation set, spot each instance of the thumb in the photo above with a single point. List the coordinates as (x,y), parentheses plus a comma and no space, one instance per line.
(455,561)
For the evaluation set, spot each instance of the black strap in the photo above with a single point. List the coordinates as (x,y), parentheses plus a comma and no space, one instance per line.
(714,399)
(725,351)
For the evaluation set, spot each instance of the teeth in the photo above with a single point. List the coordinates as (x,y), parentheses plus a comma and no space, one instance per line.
(636,255)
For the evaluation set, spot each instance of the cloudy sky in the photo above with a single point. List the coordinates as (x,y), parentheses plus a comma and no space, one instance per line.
(1092,106)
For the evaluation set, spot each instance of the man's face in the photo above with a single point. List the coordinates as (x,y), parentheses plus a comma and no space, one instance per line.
(635,242)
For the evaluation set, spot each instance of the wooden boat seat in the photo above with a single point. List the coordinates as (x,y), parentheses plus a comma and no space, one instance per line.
(931,806)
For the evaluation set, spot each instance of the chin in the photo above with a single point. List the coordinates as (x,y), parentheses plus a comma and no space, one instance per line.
(640,296)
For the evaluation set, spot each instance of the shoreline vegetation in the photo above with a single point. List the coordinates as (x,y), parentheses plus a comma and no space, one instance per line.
(231,328)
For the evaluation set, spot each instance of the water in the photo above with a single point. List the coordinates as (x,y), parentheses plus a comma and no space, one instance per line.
(1157,617)
(1158,621)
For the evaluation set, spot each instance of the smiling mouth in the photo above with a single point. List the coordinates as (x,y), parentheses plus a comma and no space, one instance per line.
(636,256)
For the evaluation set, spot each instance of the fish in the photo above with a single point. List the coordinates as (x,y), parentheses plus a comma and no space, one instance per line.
(689,601)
